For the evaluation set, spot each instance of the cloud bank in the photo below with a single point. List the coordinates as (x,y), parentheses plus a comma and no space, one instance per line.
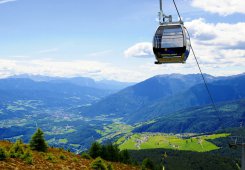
(6,1)
(222,34)
(140,50)
(219,43)
(221,7)
(94,69)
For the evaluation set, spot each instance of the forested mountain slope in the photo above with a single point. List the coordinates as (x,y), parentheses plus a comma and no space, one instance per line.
(162,95)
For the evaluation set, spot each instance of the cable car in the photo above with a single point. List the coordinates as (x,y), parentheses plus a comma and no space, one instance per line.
(171,42)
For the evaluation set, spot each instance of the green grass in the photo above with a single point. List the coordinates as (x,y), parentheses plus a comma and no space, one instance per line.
(64,141)
(151,141)
(215,136)
(70,131)
(120,140)
(22,105)
(59,131)
(75,145)
(112,130)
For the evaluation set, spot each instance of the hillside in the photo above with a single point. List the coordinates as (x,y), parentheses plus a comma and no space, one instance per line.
(142,94)
(161,95)
(55,159)
(222,89)
(51,94)
(199,119)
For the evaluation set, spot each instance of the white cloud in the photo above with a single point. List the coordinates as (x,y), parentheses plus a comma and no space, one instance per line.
(213,56)
(218,44)
(6,1)
(141,50)
(48,67)
(221,34)
(222,7)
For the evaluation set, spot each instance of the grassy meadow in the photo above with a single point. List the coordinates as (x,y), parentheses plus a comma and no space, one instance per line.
(200,143)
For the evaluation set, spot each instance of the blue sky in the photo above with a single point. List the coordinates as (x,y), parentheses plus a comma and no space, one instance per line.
(108,39)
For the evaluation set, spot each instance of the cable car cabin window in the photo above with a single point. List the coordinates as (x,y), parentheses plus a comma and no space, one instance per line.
(169,37)
(172,37)
(173,30)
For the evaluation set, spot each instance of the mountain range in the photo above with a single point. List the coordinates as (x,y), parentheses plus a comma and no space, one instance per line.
(162,95)
(56,91)
(199,119)
(111,85)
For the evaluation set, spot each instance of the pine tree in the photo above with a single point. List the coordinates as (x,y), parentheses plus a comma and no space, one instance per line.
(95,150)
(124,156)
(112,152)
(147,164)
(3,154)
(38,142)
(104,154)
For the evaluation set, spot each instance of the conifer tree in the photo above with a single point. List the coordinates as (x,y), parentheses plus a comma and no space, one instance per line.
(3,154)
(124,156)
(147,164)
(38,142)
(95,150)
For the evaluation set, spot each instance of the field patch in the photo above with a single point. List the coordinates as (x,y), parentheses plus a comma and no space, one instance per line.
(177,142)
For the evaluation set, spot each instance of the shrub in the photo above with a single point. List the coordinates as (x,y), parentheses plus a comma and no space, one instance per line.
(98,164)
(63,157)
(16,150)
(27,156)
(3,154)
(50,157)
(86,156)
(75,159)
(60,149)
(43,154)
(110,167)
(37,141)
(19,150)
(29,160)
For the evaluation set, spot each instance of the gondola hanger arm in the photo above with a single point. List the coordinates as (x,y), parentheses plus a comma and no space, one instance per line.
(162,17)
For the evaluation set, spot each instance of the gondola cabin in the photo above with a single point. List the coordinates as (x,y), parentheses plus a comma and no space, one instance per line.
(171,43)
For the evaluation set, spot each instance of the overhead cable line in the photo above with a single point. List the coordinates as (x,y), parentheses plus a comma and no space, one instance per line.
(204,80)
(177,10)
